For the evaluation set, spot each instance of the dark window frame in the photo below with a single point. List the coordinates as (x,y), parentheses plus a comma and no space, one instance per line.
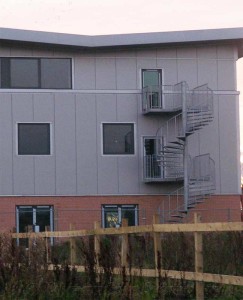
(5,69)
(120,208)
(49,141)
(33,213)
(120,153)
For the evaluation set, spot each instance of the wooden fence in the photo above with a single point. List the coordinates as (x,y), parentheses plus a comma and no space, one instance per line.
(155,229)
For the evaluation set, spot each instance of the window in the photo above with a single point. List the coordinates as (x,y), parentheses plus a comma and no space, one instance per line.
(112,215)
(118,138)
(152,83)
(34,139)
(35,73)
(35,217)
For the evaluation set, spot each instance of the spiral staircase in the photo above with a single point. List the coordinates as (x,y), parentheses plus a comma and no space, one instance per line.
(191,111)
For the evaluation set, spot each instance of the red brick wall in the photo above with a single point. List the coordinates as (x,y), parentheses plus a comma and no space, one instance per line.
(82,211)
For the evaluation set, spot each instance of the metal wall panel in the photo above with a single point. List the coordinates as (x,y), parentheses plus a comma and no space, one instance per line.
(6,145)
(65,144)
(87,150)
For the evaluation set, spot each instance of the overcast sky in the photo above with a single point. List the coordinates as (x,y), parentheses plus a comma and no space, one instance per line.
(124,16)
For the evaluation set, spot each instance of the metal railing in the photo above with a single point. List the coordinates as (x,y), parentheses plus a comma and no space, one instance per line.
(158,168)
(162,98)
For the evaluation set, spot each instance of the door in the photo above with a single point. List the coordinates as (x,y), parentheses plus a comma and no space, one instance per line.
(151,164)
(152,81)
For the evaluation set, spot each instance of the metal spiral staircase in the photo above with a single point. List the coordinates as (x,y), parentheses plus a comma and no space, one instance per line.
(192,109)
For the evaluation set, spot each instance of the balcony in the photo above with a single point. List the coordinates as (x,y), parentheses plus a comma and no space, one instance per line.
(157,169)
(162,98)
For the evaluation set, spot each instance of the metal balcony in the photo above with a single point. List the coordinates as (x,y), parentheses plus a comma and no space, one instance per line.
(162,98)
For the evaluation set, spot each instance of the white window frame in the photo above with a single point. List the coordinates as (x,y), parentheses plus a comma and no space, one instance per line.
(102,136)
(35,155)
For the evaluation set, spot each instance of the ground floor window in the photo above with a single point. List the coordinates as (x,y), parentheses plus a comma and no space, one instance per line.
(39,217)
(112,215)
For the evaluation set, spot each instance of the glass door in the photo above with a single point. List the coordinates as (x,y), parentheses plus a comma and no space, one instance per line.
(152,81)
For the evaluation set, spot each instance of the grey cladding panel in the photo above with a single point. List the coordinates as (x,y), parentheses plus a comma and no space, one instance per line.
(126,70)
(22,107)
(65,143)
(128,175)
(105,73)
(226,82)
(24,175)
(6,145)
(228,141)
(44,175)
(84,73)
(86,126)
(44,107)
(127,107)
(207,73)
(187,71)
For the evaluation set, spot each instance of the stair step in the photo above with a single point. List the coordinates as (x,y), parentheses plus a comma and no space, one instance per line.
(177,142)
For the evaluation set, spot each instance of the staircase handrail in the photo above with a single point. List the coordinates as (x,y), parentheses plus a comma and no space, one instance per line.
(201,97)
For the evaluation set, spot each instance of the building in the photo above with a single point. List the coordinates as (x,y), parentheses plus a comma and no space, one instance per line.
(100,128)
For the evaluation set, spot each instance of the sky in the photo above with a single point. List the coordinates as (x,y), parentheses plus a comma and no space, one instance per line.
(95,17)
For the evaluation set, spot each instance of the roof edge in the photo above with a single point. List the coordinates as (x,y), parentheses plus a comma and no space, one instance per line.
(114,40)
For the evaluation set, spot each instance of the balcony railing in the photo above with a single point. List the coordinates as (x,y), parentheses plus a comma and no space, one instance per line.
(158,98)
(157,169)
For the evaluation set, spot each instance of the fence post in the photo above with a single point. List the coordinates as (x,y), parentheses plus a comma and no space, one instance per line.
(198,258)
(48,248)
(73,247)
(124,245)
(157,252)
(97,243)
(30,240)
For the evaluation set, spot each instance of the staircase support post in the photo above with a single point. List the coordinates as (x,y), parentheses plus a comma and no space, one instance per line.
(185,152)
(186,183)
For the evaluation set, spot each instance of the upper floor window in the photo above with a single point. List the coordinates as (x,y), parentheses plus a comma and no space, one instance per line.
(35,73)
(34,139)
(118,138)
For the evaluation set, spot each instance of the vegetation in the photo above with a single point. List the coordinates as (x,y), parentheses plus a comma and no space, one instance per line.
(25,272)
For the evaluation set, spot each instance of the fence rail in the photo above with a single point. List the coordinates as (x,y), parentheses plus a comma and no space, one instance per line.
(157,230)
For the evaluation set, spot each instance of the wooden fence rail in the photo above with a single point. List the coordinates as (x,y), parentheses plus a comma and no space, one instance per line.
(155,229)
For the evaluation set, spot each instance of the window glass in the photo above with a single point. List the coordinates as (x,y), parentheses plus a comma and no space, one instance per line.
(111,217)
(34,139)
(129,214)
(118,138)
(41,73)
(25,215)
(43,216)
(151,77)
(56,73)
(24,73)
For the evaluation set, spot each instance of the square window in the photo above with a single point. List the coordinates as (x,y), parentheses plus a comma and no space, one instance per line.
(118,138)
(34,139)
